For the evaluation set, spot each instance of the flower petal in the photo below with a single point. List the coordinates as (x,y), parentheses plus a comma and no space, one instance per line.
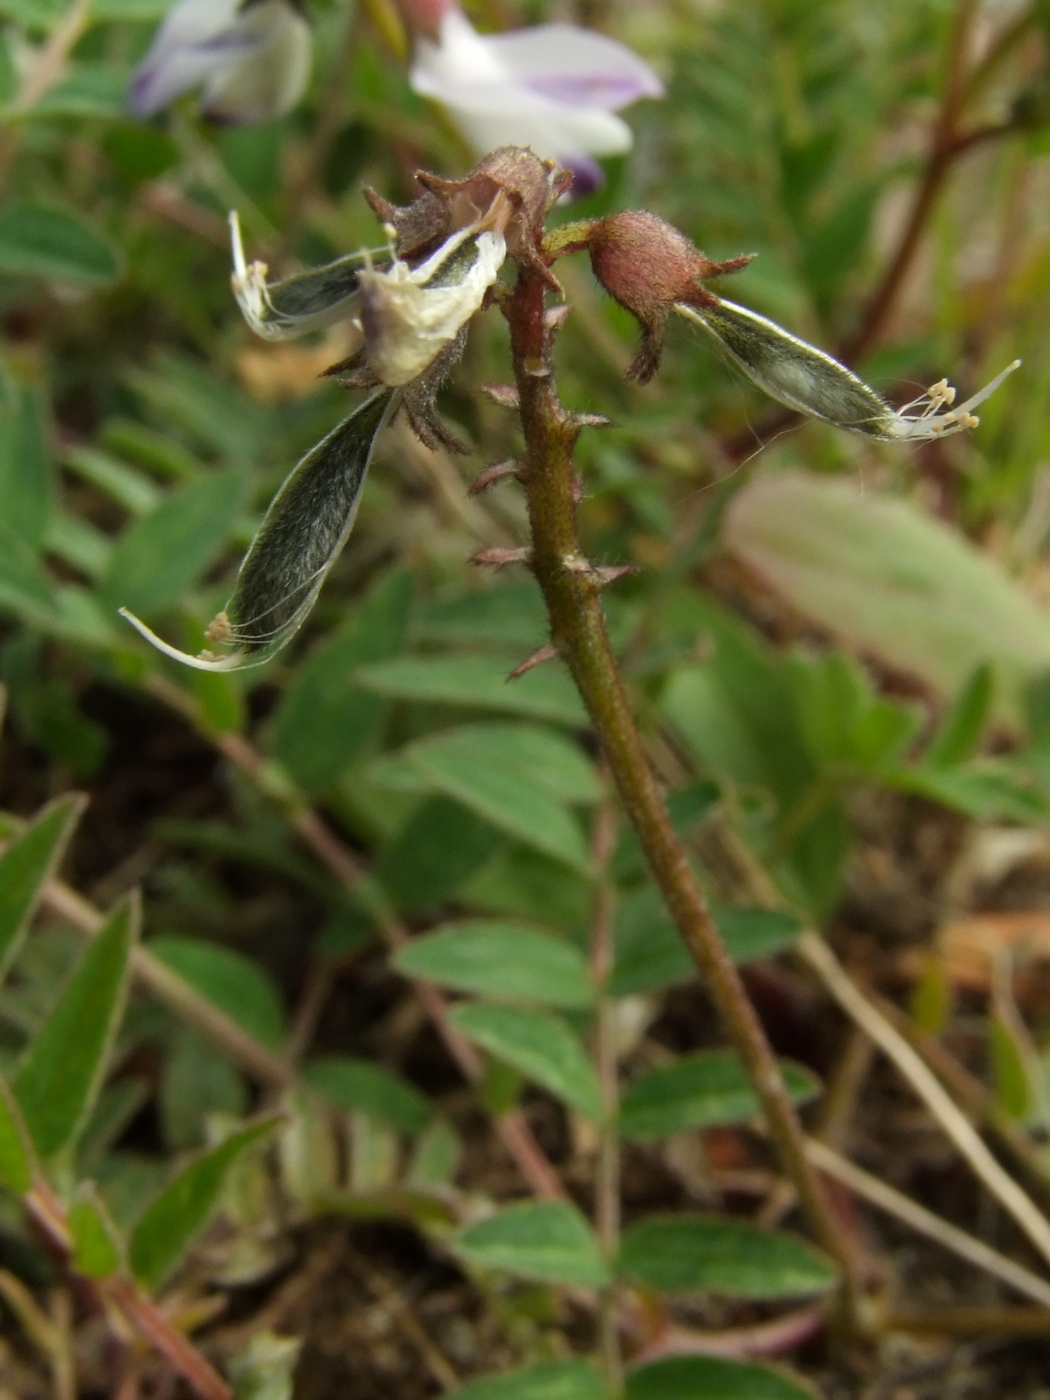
(575,66)
(191,42)
(409,314)
(496,100)
(269,79)
(252,60)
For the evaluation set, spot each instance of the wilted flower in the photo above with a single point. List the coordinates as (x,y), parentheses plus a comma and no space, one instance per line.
(446,252)
(250,58)
(806,379)
(554,88)
(409,314)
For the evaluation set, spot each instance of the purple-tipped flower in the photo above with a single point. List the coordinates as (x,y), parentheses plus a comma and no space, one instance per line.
(554,88)
(250,58)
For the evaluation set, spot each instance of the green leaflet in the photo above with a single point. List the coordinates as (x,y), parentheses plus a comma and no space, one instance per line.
(699,1091)
(687,1253)
(61,1072)
(712,1378)
(546,1240)
(170,1224)
(27,865)
(36,239)
(539,1045)
(357,1086)
(507,960)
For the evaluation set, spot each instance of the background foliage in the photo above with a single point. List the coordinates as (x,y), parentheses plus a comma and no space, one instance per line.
(372,870)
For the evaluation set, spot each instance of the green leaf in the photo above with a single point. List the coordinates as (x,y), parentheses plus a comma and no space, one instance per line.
(170,1224)
(712,1378)
(502,960)
(323,723)
(688,1253)
(144,10)
(961,729)
(233,982)
(60,1074)
(17,1167)
(547,1240)
(502,616)
(89,90)
(539,1045)
(159,557)
(984,790)
(36,14)
(699,1091)
(196,1081)
(479,682)
(98,1250)
(36,239)
(891,581)
(25,868)
(27,487)
(650,953)
(546,1380)
(358,1086)
(440,846)
(517,777)
(24,587)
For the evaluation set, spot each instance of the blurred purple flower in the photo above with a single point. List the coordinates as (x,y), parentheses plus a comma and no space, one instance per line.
(554,88)
(250,58)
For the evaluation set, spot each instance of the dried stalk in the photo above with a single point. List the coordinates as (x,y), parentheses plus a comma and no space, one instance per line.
(954,1122)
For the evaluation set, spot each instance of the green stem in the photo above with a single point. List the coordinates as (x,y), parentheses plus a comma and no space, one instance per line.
(572,588)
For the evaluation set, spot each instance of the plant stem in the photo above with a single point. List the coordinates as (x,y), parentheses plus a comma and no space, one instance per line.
(572,588)
(607,1173)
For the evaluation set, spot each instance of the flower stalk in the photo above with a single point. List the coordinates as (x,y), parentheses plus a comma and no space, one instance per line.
(572,591)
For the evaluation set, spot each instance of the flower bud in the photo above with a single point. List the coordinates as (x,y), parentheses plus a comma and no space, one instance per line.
(649,267)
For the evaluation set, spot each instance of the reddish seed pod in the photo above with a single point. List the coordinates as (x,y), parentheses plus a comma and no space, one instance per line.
(648,266)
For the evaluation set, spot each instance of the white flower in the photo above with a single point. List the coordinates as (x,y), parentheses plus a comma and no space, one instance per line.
(806,379)
(409,315)
(554,88)
(250,58)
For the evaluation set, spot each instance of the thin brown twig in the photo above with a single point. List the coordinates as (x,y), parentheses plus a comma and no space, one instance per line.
(48,1214)
(939,161)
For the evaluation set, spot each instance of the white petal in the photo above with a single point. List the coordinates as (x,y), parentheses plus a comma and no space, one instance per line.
(561,136)
(410,315)
(576,66)
(185,52)
(492,103)
(271,78)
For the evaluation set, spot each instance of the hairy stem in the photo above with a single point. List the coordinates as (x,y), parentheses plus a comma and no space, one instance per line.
(572,590)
